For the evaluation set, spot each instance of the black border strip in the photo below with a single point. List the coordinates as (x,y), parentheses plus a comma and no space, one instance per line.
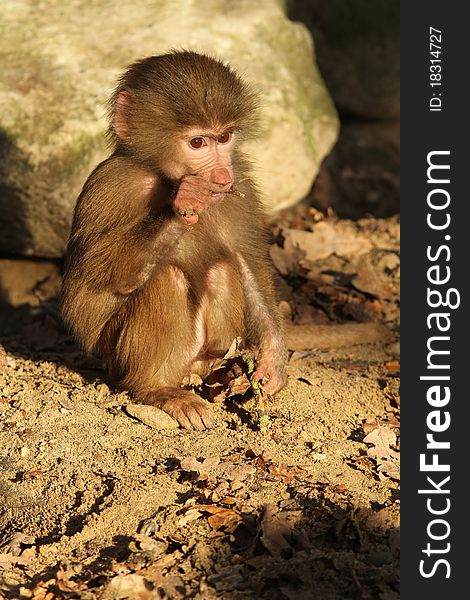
(426,404)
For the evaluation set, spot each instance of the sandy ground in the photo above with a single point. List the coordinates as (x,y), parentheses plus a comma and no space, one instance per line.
(96,504)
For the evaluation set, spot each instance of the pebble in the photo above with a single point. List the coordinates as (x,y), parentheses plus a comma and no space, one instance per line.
(151,416)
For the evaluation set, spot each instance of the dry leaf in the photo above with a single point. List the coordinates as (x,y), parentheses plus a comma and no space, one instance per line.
(172,586)
(285,259)
(324,240)
(373,275)
(152,548)
(228,500)
(237,472)
(387,459)
(32,474)
(63,580)
(7,560)
(371,424)
(124,587)
(14,542)
(226,518)
(239,385)
(204,468)
(282,472)
(381,438)
(40,591)
(393,366)
(234,349)
(390,468)
(191,515)
(209,508)
(190,464)
(276,529)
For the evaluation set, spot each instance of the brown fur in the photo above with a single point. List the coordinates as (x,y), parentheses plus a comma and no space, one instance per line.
(156,298)
(193,90)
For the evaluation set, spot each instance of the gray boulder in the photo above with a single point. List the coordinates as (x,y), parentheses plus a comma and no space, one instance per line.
(60,62)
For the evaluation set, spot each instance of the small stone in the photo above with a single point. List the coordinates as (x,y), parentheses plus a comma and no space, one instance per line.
(25,451)
(67,404)
(149,527)
(151,416)
(102,389)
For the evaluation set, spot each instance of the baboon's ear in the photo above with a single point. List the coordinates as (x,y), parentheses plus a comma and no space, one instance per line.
(120,123)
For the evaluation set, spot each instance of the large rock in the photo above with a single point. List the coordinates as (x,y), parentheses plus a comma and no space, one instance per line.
(358,52)
(59,64)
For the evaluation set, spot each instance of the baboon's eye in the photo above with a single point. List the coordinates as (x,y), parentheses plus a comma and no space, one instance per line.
(197,142)
(224,138)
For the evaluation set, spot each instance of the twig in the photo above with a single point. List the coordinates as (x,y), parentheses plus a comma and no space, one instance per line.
(263,418)
(236,193)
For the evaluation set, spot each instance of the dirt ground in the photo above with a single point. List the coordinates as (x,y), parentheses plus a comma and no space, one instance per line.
(97,504)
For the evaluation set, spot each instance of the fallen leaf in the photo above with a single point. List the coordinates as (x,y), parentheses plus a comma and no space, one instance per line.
(227,518)
(390,468)
(192,465)
(234,349)
(151,547)
(281,472)
(63,581)
(373,274)
(393,366)
(371,424)
(16,543)
(124,587)
(285,259)
(6,560)
(238,472)
(239,385)
(387,459)
(276,529)
(171,585)
(32,474)
(324,240)
(381,438)
(210,463)
(209,508)
(191,515)
(364,464)
(40,591)
(228,500)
